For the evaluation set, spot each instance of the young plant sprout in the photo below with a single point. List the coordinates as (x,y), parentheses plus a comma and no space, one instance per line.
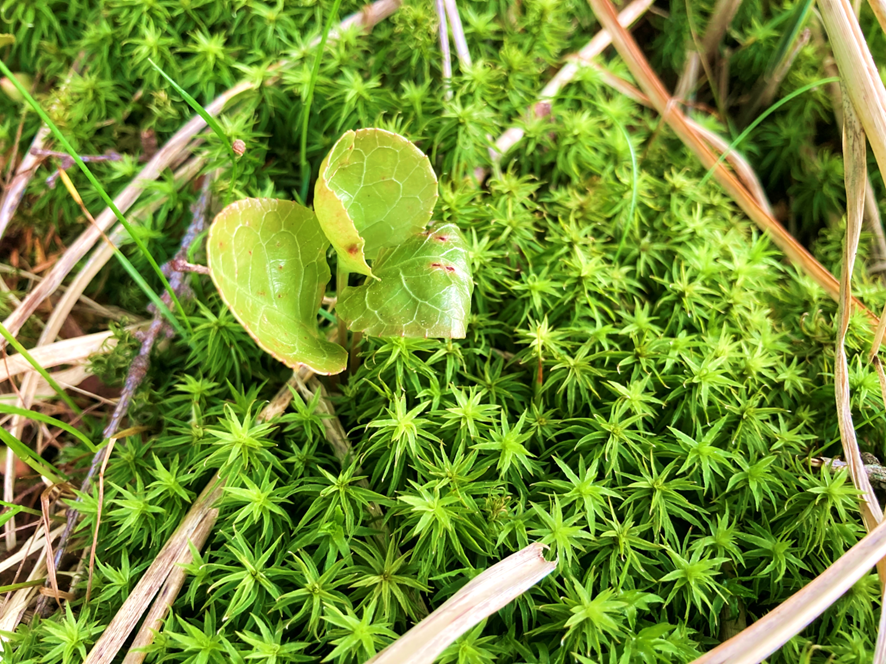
(373,201)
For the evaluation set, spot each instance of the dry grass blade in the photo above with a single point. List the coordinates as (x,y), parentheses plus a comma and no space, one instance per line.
(477,600)
(67,351)
(443,37)
(165,598)
(575,61)
(32,544)
(872,211)
(721,16)
(765,94)
(856,177)
(16,605)
(458,34)
(23,174)
(855,169)
(15,191)
(118,631)
(176,548)
(48,498)
(67,378)
(781,624)
(663,103)
(860,76)
(742,168)
(98,515)
(879,9)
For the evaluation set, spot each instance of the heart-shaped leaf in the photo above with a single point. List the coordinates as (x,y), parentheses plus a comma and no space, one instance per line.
(423,289)
(268,260)
(375,189)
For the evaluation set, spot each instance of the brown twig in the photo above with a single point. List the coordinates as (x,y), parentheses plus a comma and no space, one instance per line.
(875,471)
(67,161)
(140,364)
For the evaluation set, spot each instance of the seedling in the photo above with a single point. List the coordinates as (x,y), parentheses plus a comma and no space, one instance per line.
(373,201)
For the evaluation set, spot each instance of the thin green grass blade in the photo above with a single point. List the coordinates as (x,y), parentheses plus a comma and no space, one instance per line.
(21,508)
(306,111)
(25,453)
(40,370)
(51,421)
(155,300)
(211,121)
(22,584)
(781,102)
(789,34)
(105,197)
(13,511)
(328,316)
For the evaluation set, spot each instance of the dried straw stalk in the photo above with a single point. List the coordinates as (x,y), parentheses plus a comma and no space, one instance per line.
(574,63)
(664,104)
(781,624)
(476,601)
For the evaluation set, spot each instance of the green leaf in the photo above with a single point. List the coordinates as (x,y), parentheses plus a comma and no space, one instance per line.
(375,189)
(31,458)
(51,421)
(423,289)
(267,258)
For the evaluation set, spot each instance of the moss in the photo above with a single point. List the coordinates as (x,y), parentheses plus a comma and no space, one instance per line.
(649,412)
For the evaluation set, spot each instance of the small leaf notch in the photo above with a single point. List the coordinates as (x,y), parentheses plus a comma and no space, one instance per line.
(375,189)
(423,289)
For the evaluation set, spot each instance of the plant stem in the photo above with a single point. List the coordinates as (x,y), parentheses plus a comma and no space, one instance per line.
(309,98)
(341,281)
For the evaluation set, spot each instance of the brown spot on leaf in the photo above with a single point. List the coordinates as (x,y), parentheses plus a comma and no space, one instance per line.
(442,238)
(353,249)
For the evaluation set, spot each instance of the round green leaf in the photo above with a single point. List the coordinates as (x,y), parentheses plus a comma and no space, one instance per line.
(375,189)
(268,260)
(423,289)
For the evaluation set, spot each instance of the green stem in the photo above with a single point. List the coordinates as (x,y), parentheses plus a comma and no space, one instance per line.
(38,368)
(341,280)
(309,98)
(108,201)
